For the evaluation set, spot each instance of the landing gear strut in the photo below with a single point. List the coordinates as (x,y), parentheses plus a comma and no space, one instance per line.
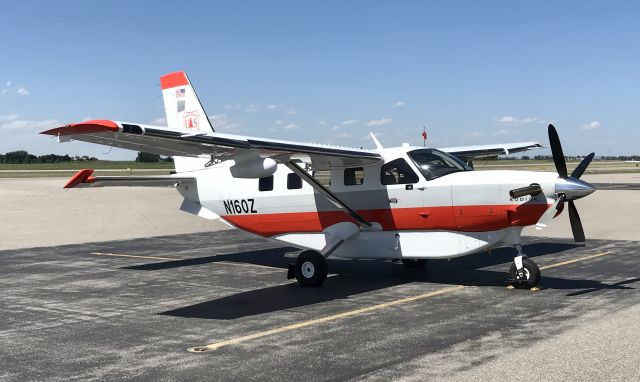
(524,272)
(310,269)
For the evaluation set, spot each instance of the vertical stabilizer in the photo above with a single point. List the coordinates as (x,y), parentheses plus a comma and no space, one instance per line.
(185,114)
(182,106)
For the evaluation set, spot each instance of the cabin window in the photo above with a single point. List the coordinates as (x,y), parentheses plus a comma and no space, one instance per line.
(265,184)
(397,172)
(353,176)
(293,181)
(322,176)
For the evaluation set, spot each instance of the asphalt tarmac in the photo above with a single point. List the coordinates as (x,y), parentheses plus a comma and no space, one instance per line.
(217,305)
(134,309)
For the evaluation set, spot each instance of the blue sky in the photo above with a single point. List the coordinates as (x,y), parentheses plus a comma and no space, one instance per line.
(471,72)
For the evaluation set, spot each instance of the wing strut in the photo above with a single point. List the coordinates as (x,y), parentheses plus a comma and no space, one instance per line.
(326,193)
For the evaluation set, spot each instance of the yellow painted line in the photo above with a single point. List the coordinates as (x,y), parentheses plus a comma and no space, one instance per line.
(576,260)
(136,256)
(334,317)
(186,259)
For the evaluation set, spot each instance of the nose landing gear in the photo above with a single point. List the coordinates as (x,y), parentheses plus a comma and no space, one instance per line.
(524,272)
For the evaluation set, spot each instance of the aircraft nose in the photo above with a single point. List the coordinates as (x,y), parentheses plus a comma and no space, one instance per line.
(573,188)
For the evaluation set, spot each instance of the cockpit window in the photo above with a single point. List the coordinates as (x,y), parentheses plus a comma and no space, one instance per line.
(434,163)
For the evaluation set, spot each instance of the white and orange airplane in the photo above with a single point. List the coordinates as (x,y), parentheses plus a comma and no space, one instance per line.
(402,203)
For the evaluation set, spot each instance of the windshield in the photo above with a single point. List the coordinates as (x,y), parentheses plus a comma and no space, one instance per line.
(434,163)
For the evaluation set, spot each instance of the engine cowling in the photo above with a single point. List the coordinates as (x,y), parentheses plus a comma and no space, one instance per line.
(254,168)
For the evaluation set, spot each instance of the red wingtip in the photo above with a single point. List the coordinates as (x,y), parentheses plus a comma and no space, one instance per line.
(173,80)
(82,176)
(86,127)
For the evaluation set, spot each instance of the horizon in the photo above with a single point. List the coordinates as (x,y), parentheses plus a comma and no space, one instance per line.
(331,72)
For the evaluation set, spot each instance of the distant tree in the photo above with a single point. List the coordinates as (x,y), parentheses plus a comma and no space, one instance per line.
(167,159)
(147,157)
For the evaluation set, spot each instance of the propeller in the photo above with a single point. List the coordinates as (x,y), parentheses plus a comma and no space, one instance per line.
(568,188)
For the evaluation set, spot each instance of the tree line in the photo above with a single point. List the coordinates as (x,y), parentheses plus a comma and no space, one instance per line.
(23,157)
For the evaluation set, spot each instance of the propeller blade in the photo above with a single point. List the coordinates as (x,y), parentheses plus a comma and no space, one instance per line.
(577,173)
(576,223)
(548,215)
(556,151)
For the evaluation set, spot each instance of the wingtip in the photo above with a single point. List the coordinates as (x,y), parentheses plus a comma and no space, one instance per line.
(85,127)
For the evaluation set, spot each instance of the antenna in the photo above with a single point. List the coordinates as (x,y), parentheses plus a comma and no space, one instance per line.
(376,141)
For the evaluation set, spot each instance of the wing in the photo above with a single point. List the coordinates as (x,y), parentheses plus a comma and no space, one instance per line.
(467,153)
(165,141)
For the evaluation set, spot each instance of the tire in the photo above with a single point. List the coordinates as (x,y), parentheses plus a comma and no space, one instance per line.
(310,268)
(414,263)
(531,273)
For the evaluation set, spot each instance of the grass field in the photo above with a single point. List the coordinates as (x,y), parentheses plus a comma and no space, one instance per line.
(163,168)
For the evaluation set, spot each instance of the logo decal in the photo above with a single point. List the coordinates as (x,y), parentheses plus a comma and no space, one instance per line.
(191,120)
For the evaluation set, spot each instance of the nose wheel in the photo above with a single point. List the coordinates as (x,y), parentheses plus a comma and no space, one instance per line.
(527,276)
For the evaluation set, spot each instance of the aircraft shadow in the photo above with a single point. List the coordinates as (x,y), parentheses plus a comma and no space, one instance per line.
(272,257)
(353,277)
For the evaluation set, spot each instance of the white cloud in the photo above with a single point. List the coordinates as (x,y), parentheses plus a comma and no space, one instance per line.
(8,117)
(511,120)
(271,107)
(591,125)
(279,122)
(525,121)
(398,104)
(507,119)
(228,107)
(322,122)
(8,83)
(290,112)
(349,122)
(29,125)
(85,119)
(23,92)
(379,122)
(290,126)
(473,134)
(500,132)
(335,128)
(252,109)
(221,122)
(160,121)
(343,135)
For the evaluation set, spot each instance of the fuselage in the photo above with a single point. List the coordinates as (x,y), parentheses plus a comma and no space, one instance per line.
(457,213)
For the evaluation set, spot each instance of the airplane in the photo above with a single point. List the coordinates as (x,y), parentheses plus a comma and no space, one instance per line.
(397,203)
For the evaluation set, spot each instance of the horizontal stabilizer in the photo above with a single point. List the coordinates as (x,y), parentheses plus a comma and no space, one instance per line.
(85,178)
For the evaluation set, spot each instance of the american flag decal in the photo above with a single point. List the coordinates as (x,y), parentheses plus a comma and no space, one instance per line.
(180,93)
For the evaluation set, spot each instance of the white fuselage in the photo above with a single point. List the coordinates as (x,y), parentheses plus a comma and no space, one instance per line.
(452,215)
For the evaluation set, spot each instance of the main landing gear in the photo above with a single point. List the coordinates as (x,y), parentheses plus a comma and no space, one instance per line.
(524,272)
(310,269)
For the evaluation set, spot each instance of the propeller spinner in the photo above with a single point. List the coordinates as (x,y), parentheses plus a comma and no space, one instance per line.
(568,188)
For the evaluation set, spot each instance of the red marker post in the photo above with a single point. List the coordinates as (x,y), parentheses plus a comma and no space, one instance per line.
(424,137)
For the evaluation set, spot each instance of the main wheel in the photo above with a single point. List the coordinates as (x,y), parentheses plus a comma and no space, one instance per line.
(414,263)
(530,276)
(310,268)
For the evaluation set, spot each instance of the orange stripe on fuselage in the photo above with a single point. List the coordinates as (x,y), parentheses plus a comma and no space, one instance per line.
(457,218)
